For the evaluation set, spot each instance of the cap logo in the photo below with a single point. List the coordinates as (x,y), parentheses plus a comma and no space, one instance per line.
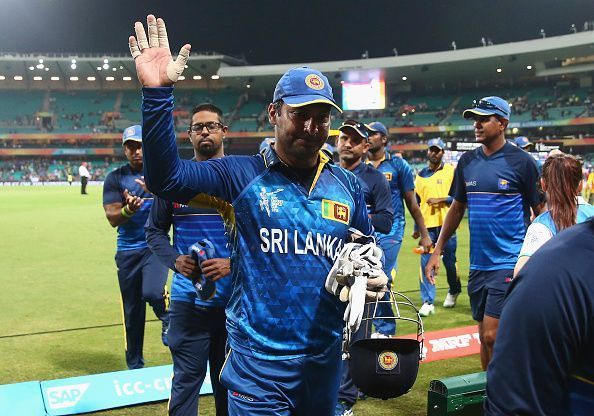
(314,82)
(387,360)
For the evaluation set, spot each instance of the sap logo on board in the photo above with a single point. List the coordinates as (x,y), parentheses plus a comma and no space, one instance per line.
(66,396)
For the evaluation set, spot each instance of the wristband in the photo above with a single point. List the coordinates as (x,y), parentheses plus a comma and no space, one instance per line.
(126,213)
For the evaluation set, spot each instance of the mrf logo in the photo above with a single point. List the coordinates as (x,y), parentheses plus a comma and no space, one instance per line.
(503,184)
(335,211)
(66,396)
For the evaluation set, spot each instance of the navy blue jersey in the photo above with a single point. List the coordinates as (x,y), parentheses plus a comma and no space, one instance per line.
(190,224)
(499,190)
(376,191)
(401,179)
(543,361)
(284,237)
(131,233)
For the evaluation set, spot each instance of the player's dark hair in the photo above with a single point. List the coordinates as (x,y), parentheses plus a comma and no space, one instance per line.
(211,108)
(562,174)
(278,105)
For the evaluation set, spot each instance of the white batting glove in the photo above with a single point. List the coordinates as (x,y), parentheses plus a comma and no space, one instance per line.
(354,310)
(343,268)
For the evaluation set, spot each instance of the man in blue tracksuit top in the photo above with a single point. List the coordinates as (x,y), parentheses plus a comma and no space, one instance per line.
(352,143)
(141,276)
(402,186)
(543,363)
(292,210)
(197,333)
(497,181)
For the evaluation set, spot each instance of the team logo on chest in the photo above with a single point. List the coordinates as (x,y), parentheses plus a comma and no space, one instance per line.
(503,184)
(388,175)
(269,202)
(335,211)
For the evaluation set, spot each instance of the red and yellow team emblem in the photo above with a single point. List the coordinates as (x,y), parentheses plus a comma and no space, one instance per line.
(388,176)
(387,360)
(314,82)
(335,211)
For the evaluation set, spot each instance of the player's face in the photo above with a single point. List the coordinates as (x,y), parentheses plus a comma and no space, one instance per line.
(435,154)
(208,141)
(300,132)
(133,152)
(376,141)
(351,146)
(488,128)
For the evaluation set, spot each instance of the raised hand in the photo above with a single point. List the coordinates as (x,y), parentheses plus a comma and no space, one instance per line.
(154,65)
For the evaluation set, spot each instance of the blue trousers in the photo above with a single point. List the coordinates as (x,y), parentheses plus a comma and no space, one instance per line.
(197,335)
(391,247)
(142,278)
(449,261)
(300,386)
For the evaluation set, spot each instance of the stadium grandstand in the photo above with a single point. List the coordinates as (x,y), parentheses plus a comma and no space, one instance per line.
(60,109)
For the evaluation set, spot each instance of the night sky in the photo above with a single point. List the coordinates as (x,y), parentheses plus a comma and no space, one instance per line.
(280,31)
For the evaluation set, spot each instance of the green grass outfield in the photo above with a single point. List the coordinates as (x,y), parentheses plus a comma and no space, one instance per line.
(61,309)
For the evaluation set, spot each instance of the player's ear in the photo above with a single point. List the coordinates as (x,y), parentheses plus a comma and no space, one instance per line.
(272,114)
(504,122)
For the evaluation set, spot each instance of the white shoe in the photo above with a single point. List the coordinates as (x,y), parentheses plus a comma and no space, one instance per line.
(427,309)
(450,300)
(375,335)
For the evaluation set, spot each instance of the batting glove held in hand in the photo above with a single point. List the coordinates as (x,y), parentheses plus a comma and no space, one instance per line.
(357,275)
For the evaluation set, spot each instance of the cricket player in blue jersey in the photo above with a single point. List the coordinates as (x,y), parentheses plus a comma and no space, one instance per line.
(402,186)
(497,182)
(141,275)
(292,211)
(543,363)
(352,144)
(197,333)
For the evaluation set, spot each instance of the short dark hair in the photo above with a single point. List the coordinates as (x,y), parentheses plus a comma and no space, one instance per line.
(278,105)
(211,108)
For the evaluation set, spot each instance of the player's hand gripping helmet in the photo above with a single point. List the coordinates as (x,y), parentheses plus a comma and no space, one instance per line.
(386,367)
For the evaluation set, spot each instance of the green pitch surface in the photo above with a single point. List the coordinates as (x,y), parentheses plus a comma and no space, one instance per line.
(61,307)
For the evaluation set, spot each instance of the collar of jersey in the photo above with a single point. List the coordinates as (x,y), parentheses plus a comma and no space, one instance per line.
(271,158)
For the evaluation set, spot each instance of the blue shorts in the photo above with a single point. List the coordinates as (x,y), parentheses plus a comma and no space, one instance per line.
(301,386)
(486,290)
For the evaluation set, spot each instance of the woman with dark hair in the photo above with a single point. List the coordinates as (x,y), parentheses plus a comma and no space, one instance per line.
(562,182)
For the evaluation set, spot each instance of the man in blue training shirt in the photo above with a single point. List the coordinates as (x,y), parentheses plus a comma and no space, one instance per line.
(543,363)
(197,333)
(352,143)
(402,186)
(141,276)
(497,182)
(292,211)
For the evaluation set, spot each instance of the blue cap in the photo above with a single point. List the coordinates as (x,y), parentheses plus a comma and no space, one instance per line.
(360,128)
(522,142)
(378,127)
(133,133)
(437,142)
(303,86)
(488,106)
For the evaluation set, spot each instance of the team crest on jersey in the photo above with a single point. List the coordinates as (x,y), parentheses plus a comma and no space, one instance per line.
(335,211)
(440,181)
(387,360)
(388,175)
(503,184)
(269,202)
(314,82)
